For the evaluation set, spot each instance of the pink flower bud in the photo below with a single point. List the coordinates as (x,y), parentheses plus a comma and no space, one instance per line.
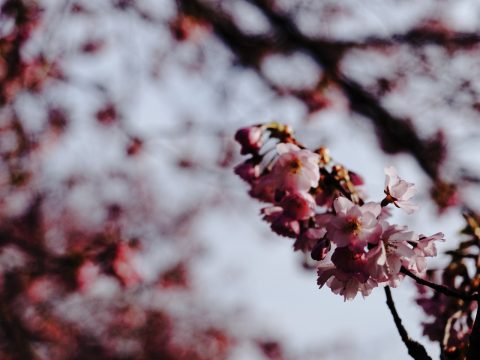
(321,249)
(299,206)
(307,240)
(250,139)
(286,227)
(247,170)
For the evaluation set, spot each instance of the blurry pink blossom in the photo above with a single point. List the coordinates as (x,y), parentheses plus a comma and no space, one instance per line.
(87,274)
(367,250)
(124,265)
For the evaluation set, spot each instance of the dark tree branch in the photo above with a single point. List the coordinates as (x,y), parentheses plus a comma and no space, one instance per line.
(18,343)
(420,37)
(395,134)
(440,288)
(17,337)
(249,49)
(474,341)
(415,349)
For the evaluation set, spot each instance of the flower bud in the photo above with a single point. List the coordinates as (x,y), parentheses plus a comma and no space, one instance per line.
(247,170)
(250,139)
(321,249)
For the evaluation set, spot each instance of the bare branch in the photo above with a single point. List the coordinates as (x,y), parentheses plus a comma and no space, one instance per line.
(395,134)
(415,349)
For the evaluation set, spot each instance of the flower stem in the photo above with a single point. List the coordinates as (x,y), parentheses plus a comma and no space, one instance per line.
(415,349)
(440,288)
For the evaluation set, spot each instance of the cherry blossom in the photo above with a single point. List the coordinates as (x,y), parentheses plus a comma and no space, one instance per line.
(295,169)
(292,208)
(393,251)
(425,247)
(400,247)
(354,226)
(316,202)
(344,283)
(398,191)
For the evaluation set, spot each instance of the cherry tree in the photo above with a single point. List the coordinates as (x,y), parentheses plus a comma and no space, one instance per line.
(112,153)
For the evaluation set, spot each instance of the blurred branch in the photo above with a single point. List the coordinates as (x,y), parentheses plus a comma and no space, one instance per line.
(394,134)
(249,49)
(415,349)
(420,37)
(12,329)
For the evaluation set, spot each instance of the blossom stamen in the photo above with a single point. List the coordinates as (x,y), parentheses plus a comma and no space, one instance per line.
(353,226)
(295,166)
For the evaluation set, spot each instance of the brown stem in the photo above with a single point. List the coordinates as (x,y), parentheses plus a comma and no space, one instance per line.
(415,349)
(474,342)
(440,288)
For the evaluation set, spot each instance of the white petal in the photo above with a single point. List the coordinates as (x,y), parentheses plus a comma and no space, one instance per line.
(372,207)
(342,205)
(283,148)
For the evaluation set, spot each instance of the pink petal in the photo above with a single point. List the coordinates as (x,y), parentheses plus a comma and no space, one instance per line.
(342,205)
(372,207)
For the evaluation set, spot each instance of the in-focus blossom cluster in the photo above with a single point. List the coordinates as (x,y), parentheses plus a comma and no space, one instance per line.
(318,203)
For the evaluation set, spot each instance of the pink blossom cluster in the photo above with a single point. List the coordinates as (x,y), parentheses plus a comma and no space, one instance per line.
(318,204)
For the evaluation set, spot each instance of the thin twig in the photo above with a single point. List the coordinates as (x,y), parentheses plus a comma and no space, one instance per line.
(448,328)
(440,288)
(415,349)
